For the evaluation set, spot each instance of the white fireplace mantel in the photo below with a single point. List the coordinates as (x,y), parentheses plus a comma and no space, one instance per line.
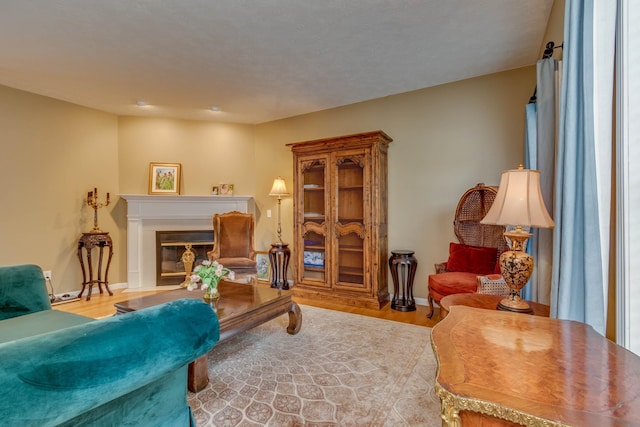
(147,214)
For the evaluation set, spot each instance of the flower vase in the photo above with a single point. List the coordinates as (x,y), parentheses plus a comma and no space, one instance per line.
(211,297)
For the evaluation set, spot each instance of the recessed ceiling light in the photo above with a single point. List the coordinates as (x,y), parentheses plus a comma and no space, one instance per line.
(215,108)
(140,103)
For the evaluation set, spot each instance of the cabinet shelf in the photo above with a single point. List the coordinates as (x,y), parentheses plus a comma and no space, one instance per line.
(351,188)
(351,271)
(314,247)
(344,248)
(310,268)
(344,221)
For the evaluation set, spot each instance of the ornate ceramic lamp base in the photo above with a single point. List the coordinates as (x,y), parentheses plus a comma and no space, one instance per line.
(516,267)
(514,303)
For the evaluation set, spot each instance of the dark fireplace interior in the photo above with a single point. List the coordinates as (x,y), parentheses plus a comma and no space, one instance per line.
(170,245)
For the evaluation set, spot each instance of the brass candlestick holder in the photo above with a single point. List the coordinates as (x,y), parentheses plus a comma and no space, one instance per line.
(92,201)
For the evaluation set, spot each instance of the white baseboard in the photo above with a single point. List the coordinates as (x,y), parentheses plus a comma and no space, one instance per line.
(421,301)
(73,295)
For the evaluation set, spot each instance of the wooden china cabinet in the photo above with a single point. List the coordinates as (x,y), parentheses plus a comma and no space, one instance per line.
(340,226)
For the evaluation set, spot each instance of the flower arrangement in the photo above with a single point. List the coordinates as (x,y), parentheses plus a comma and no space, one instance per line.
(208,274)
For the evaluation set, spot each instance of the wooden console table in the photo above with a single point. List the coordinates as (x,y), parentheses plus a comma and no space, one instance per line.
(505,369)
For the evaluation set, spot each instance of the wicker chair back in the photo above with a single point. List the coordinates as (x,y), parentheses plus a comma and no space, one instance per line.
(472,207)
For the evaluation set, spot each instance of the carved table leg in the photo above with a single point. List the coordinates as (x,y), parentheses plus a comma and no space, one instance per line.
(84,274)
(295,319)
(106,271)
(89,249)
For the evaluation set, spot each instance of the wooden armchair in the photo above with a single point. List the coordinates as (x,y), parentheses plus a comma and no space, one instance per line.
(476,254)
(233,242)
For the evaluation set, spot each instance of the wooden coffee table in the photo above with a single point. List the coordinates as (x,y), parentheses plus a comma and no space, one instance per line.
(241,307)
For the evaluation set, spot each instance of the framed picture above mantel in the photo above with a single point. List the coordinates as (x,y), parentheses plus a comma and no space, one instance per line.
(164,178)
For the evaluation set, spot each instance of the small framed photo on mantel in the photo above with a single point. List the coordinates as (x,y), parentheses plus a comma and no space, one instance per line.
(164,178)
(226,189)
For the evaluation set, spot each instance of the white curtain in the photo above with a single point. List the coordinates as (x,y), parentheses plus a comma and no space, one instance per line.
(628,180)
(583,172)
(540,154)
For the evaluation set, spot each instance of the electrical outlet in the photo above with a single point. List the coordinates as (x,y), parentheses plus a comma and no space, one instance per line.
(47,274)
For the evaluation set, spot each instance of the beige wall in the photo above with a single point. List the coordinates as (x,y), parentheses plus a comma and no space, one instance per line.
(210,154)
(446,140)
(555,29)
(53,153)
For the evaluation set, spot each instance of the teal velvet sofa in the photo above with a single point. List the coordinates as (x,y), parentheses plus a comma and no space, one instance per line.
(58,368)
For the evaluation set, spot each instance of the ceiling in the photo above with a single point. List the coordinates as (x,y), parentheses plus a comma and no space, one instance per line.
(259,60)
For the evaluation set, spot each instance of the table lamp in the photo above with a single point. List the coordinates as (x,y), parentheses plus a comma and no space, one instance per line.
(518,203)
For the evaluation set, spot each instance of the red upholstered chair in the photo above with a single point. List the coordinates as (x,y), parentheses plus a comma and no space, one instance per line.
(478,250)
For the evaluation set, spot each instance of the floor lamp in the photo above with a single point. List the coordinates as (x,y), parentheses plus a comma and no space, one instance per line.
(519,202)
(279,253)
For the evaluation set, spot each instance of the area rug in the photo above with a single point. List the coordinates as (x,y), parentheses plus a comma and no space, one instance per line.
(341,369)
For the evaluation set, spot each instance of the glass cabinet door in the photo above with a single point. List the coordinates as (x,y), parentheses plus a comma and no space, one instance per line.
(314,221)
(350,235)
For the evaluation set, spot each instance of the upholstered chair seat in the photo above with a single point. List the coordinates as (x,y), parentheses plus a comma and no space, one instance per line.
(452,282)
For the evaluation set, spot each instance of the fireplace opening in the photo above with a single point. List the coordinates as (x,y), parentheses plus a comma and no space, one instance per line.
(171,245)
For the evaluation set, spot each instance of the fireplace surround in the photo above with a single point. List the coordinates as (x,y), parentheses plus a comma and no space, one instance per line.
(147,214)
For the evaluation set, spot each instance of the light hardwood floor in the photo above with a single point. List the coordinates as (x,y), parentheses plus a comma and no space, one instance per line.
(101,305)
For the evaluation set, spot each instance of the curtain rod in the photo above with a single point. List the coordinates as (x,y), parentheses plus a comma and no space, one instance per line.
(548,53)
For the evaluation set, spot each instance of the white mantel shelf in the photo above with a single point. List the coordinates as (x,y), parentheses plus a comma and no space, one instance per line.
(147,214)
(184,207)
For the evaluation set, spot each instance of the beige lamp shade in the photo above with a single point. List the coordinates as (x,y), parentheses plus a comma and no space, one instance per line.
(279,188)
(519,201)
